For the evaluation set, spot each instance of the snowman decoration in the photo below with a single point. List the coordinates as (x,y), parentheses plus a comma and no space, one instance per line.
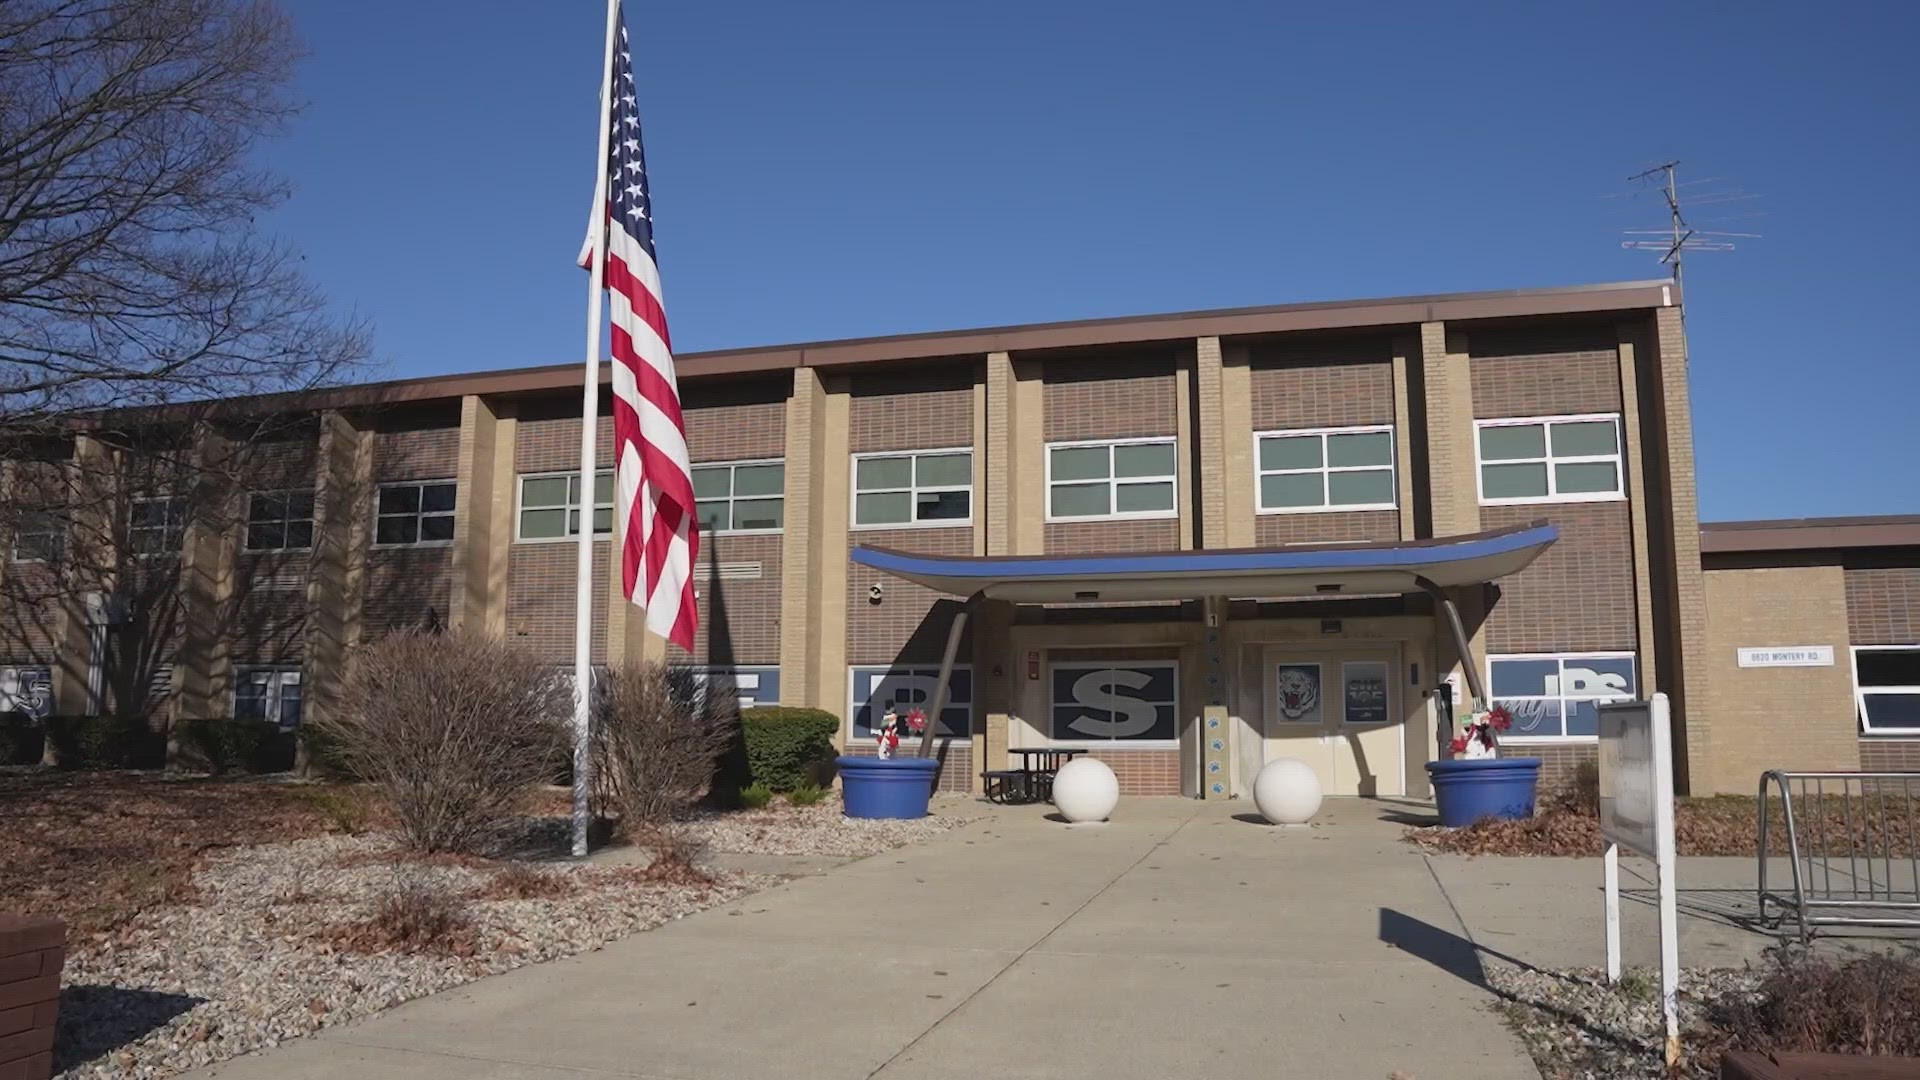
(887,735)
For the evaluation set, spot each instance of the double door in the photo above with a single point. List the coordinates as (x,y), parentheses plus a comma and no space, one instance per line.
(1340,711)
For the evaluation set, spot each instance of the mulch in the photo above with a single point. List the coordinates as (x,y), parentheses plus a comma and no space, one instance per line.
(1720,825)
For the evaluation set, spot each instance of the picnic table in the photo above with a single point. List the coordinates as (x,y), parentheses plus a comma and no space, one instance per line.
(1033,780)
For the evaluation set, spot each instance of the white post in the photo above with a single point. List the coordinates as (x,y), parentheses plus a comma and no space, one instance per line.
(1666,863)
(589,446)
(1611,863)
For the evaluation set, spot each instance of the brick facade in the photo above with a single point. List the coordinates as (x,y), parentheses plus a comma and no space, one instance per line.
(1883,605)
(1338,386)
(1117,398)
(738,423)
(1327,528)
(1143,772)
(1579,594)
(32,951)
(1890,755)
(1544,372)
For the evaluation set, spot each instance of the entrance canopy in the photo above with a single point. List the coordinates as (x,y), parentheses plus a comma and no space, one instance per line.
(1358,569)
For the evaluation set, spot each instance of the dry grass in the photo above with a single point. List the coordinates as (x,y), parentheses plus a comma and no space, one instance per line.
(520,881)
(412,917)
(98,848)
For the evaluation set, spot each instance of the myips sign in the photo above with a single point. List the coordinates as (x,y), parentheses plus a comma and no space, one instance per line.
(1133,702)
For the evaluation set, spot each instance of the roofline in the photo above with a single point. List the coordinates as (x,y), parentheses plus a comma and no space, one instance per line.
(1082,333)
(1809,534)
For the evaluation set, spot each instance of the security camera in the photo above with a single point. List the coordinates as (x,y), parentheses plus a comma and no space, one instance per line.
(875,592)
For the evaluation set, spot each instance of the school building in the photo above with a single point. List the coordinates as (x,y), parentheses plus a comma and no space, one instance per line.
(1186,543)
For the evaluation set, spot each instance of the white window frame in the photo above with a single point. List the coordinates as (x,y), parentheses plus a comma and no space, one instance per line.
(281,676)
(1325,471)
(730,466)
(586,513)
(1122,745)
(907,738)
(57,527)
(1860,695)
(186,516)
(1114,483)
(1562,657)
(418,516)
(913,490)
(312,519)
(1617,458)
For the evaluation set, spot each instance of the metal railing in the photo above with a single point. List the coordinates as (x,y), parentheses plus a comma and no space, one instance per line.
(1851,839)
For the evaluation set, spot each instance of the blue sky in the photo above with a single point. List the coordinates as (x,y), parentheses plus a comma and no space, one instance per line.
(832,170)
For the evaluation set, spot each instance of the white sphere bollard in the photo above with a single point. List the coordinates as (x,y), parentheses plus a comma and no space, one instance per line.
(1085,790)
(1287,792)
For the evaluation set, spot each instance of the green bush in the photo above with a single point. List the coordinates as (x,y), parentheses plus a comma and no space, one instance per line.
(105,742)
(787,747)
(755,796)
(225,742)
(20,739)
(806,794)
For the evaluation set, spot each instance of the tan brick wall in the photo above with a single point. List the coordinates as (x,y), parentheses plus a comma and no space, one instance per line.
(1544,372)
(1448,406)
(1338,387)
(1579,594)
(419,454)
(1890,755)
(899,627)
(1088,537)
(409,586)
(540,580)
(1332,527)
(548,439)
(1111,398)
(32,952)
(1775,718)
(1682,591)
(736,423)
(1557,762)
(1144,772)
(1883,605)
(920,412)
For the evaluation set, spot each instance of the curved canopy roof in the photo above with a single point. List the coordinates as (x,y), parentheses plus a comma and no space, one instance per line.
(1370,568)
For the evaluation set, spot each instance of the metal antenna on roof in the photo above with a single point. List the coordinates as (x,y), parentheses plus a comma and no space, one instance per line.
(1680,237)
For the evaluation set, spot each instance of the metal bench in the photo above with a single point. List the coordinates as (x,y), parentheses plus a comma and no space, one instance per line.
(1007,786)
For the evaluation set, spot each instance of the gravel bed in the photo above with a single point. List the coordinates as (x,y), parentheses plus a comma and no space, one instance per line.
(1578,1027)
(246,963)
(819,829)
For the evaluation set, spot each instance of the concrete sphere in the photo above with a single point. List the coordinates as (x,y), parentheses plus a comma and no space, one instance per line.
(1085,789)
(1287,792)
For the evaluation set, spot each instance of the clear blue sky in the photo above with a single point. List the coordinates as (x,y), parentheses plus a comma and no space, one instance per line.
(832,170)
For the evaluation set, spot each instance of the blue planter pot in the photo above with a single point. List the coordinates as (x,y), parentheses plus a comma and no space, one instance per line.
(899,787)
(1467,790)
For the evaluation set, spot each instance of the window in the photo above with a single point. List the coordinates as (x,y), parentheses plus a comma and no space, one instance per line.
(1304,472)
(1133,702)
(156,526)
(550,505)
(1133,478)
(1886,688)
(874,690)
(279,520)
(39,536)
(414,513)
(749,686)
(741,496)
(27,691)
(924,487)
(271,694)
(1550,459)
(1553,697)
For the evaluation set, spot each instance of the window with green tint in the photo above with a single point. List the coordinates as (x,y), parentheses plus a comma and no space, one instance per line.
(550,505)
(742,496)
(1550,459)
(1130,478)
(1326,469)
(919,487)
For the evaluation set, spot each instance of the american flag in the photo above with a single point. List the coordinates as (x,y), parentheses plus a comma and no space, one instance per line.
(653,483)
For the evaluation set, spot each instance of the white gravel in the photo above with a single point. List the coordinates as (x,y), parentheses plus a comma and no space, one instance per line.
(1578,1027)
(819,829)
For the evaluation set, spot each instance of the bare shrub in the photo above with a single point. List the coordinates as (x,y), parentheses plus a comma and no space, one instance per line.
(1867,1004)
(657,743)
(453,732)
(520,881)
(413,916)
(1578,792)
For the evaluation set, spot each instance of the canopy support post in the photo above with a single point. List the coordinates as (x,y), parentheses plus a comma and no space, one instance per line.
(1460,642)
(954,633)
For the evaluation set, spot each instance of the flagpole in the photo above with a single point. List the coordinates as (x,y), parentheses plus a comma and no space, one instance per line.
(589,453)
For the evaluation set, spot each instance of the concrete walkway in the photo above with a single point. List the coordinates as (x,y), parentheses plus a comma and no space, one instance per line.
(1182,939)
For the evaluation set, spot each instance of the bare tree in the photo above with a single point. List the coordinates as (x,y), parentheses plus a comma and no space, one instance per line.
(658,738)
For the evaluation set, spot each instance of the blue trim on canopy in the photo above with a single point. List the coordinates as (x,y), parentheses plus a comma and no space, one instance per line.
(1369,557)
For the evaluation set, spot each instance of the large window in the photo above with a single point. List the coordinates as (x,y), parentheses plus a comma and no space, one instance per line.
(280,521)
(39,536)
(1129,702)
(1558,696)
(1309,471)
(1550,459)
(156,526)
(550,505)
(874,690)
(1886,688)
(924,487)
(1131,478)
(271,694)
(27,691)
(414,513)
(748,686)
(741,496)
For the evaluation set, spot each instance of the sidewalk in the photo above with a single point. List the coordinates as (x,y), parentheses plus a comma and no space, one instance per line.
(1179,940)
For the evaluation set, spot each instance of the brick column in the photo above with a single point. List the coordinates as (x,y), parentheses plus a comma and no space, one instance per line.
(1685,663)
(997,670)
(1236,443)
(336,577)
(1406,351)
(1452,489)
(482,518)
(87,570)
(205,660)
(1029,439)
(813,554)
(1208,430)
(32,950)
(1638,501)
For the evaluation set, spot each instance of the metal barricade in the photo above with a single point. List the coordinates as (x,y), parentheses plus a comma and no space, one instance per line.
(1851,841)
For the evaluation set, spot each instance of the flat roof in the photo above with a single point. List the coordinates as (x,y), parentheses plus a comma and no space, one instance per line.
(1082,333)
(1809,534)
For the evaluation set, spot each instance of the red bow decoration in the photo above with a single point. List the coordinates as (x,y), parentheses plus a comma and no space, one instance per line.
(916,720)
(1458,745)
(1500,719)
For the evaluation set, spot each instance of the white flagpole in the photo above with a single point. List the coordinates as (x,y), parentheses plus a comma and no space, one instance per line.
(589,447)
